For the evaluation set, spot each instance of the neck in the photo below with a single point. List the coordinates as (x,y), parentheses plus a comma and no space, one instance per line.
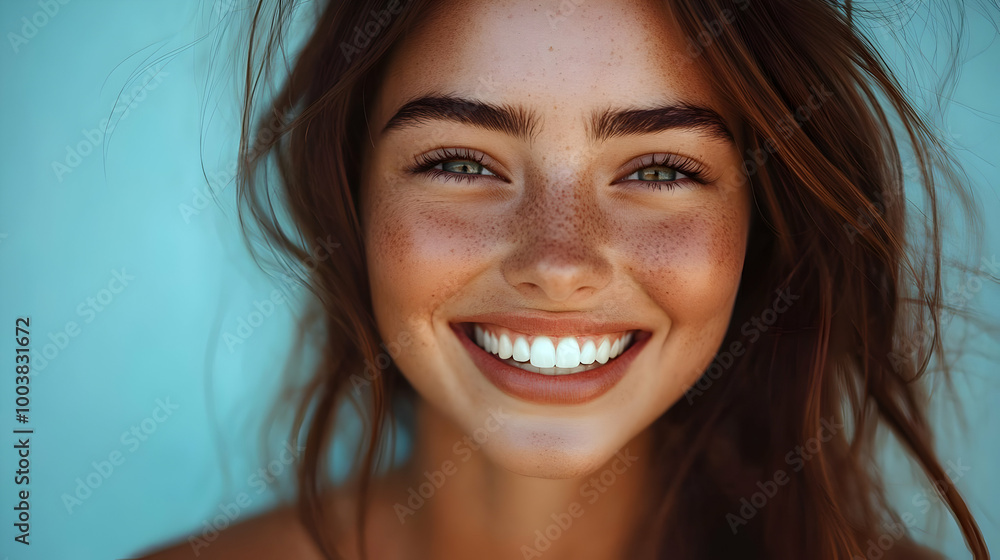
(477,509)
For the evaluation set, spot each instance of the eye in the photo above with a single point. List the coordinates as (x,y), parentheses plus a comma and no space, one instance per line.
(458,164)
(668,171)
(657,173)
(463,166)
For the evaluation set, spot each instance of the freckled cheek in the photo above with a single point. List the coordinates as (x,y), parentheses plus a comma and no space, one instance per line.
(689,265)
(420,255)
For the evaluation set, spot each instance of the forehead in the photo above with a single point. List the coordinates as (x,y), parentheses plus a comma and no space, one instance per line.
(563,58)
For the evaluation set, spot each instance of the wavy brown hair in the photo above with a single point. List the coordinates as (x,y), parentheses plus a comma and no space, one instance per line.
(825,128)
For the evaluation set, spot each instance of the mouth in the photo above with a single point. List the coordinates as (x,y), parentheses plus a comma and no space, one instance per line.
(549,355)
(555,368)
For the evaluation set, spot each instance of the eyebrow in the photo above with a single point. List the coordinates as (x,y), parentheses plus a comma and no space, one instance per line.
(523,123)
(612,123)
(513,120)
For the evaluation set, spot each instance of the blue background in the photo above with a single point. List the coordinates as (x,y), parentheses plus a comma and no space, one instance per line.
(119,203)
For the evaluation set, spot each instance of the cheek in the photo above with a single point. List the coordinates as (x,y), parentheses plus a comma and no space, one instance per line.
(689,264)
(420,255)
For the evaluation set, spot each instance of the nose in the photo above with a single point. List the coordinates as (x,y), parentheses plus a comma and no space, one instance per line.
(561,241)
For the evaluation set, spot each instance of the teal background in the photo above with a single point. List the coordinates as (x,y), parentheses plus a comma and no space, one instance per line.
(64,232)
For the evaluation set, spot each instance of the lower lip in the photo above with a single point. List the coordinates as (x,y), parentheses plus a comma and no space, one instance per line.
(574,388)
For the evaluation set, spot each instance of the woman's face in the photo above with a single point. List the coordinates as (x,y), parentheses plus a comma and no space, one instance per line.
(563,183)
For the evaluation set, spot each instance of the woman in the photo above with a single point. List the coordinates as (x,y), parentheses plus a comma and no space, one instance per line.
(634,277)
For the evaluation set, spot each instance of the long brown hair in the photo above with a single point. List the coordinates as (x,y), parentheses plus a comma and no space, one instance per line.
(825,128)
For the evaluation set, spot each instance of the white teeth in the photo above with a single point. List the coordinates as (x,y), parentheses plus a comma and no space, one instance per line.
(506,349)
(588,353)
(522,352)
(604,352)
(543,352)
(550,370)
(551,355)
(567,353)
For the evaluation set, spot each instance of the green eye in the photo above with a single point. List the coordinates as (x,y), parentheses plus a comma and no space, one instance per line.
(464,167)
(655,173)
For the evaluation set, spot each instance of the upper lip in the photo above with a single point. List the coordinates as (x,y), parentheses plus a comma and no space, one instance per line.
(567,323)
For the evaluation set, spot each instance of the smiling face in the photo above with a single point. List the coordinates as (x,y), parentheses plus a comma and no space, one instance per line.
(563,190)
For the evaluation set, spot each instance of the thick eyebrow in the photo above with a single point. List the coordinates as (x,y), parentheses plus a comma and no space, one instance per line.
(513,120)
(611,123)
(523,123)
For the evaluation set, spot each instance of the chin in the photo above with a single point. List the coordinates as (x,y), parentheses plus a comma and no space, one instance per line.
(554,448)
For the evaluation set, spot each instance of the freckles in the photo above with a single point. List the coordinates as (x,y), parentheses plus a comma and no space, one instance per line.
(691,261)
(729,247)
(388,244)
(557,222)
(671,249)
(424,251)
(451,240)
(407,231)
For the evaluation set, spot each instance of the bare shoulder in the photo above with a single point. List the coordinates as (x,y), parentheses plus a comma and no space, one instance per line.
(275,534)
(279,533)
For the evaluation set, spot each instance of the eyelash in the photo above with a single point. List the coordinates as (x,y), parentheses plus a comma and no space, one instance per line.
(692,170)
(426,162)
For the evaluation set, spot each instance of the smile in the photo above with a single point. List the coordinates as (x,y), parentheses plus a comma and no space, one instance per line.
(555,365)
(549,355)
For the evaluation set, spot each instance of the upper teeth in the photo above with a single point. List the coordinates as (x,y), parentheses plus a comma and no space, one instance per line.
(553,355)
